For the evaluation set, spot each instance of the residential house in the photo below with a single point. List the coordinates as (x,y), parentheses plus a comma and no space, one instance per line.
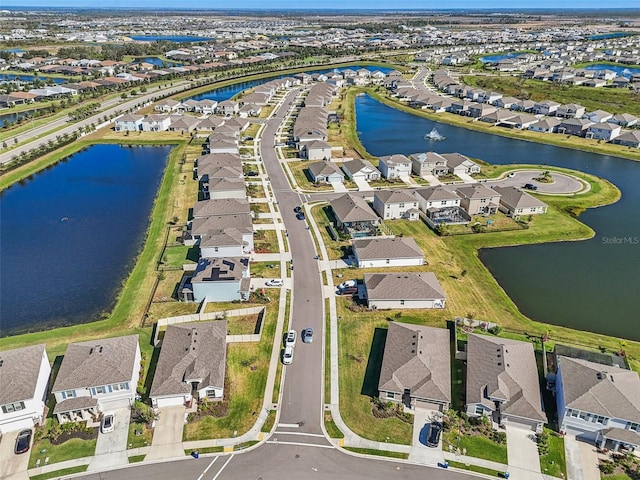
(439,196)
(316,150)
(227,108)
(203,228)
(387,252)
(428,163)
(570,110)
(191,365)
(574,126)
(545,125)
(416,367)
(221,207)
(478,199)
(403,290)
(167,105)
(184,124)
(505,102)
(325,172)
(361,170)
(95,376)
(598,116)
(481,110)
(24,376)
(395,204)
(502,382)
(546,107)
(598,403)
(628,139)
(129,123)
(514,201)
(218,188)
(523,106)
(460,164)
(394,166)
(624,119)
(354,216)
(155,123)
(217,280)
(603,131)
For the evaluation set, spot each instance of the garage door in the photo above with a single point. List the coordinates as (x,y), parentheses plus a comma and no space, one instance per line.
(170,402)
(17,425)
(522,423)
(428,405)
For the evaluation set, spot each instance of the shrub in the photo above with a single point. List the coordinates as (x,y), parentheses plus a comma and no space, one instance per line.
(495,330)
(607,467)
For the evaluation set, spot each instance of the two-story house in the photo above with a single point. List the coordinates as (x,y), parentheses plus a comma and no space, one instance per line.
(395,204)
(428,163)
(478,199)
(394,166)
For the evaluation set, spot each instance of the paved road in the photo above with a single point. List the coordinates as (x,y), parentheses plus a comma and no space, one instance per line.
(113,106)
(278,462)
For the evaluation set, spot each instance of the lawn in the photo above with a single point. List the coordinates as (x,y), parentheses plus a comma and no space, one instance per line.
(554,463)
(303,177)
(265,241)
(177,255)
(323,215)
(477,469)
(265,269)
(269,422)
(330,426)
(380,453)
(475,446)
(139,435)
(246,378)
(61,473)
(74,448)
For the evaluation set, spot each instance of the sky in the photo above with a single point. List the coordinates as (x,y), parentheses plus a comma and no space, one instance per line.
(325,4)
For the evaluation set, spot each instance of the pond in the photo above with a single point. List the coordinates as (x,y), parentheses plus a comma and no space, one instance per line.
(70,235)
(588,285)
(8,77)
(621,70)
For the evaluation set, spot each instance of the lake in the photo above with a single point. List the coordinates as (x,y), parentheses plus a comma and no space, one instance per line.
(71,233)
(12,117)
(619,69)
(603,36)
(169,38)
(497,58)
(7,77)
(158,62)
(589,285)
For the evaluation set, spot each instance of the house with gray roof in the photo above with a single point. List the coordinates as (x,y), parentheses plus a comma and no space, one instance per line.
(514,201)
(503,382)
(217,280)
(221,207)
(599,403)
(628,138)
(315,150)
(130,122)
(191,365)
(218,188)
(386,252)
(545,125)
(24,376)
(95,376)
(428,163)
(354,216)
(416,367)
(574,126)
(325,172)
(207,233)
(361,169)
(478,199)
(458,163)
(394,166)
(441,205)
(395,204)
(403,290)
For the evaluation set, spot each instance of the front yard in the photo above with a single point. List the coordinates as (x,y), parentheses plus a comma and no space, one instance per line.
(59,443)
(474,437)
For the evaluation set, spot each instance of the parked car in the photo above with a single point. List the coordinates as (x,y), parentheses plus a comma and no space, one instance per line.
(433,435)
(252,173)
(290,339)
(348,291)
(307,335)
(530,186)
(108,422)
(23,442)
(347,284)
(287,356)
(274,282)
(300,216)
(297,209)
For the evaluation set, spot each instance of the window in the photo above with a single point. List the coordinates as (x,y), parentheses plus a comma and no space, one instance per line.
(599,419)
(401,302)
(390,395)
(633,426)
(444,202)
(68,394)
(100,390)
(483,200)
(568,412)
(583,415)
(124,386)
(13,407)
(575,413)
(388,261)
(401,205)
(479,410)
(211,393)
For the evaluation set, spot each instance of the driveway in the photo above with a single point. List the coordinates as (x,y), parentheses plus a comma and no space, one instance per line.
(339,187)
(432,179)
(12,466)
(466,178)
(522,451)
(167,435)
(111,448)
(562,184)
(419,451)
(582,459)
(363,185)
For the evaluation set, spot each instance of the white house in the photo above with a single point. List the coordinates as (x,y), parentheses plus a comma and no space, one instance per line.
(403,290)
(227,108)
(387,252)
(598,403)
(217,280)
(316,150)
(460,164)
(514,201)
(129,123)
(325,172)
(24,376)
(155,123)
(360,169)
(223,235)
(192,361)
(95,376)
(394,166)
(438,196)
(604,131)
(395,204)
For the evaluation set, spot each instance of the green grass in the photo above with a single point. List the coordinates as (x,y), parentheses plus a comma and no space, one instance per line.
(74,448)
(380,453)
(177,255)
(243,445)
(269,422)
(265,269)
(136,458)
(477,469)
(205,450)
(330,426)
(61,473)
(615,476)
(554,463)
(476,446)
(136,441)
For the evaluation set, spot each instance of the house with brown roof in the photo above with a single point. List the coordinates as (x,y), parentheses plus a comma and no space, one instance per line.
(599,403)
(403,290)
(395,204)
(386,252)
(416,367)
(95,376)
(514,201)
(503,382)
(354,216)
(478,199)
(24,376)
(394,166)
(191,365)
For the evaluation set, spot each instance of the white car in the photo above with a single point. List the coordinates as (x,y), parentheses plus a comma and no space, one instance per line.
(290,338)
(347,284)
(274,282)
(108,422)
(511,175)
(287,356)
